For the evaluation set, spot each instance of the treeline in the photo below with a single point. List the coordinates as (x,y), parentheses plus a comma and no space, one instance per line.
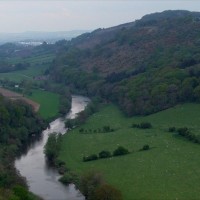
(7,67)
(18,124)
(186,133)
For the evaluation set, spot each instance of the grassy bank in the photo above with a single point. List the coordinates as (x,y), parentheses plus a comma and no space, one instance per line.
(169,170)
(49,103)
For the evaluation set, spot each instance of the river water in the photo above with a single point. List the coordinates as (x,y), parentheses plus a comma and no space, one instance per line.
(41,179)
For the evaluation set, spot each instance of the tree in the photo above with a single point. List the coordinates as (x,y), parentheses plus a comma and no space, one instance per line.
(104,154)
(52,147)
(120,151)
(89,182)
(145,147)
(107,192)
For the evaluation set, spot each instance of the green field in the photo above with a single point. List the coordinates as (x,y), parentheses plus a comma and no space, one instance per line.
(38,64)
(49,103)
(169,170)
(28,73)
(34,59)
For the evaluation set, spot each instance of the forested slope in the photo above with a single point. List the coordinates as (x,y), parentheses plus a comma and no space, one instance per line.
(18,124)
(144,66)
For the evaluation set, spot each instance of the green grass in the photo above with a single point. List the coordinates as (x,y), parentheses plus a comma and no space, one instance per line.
(34,59)
(169,170)
(28,73)
(37,67)
(49,103)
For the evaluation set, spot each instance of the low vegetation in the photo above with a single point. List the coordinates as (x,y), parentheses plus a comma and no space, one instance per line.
(52,147)
(169,158)
(142,125)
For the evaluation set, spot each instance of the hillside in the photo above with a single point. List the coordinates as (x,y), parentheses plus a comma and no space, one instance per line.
(144,66)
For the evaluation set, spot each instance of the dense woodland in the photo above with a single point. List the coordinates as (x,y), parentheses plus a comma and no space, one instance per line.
(18,125)
(145,66)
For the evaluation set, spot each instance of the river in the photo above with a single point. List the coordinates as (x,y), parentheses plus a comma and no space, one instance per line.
(41,179)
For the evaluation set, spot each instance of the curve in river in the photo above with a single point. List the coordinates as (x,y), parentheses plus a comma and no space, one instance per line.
(42,180)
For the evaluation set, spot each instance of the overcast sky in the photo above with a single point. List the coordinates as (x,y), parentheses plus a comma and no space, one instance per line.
(56,15)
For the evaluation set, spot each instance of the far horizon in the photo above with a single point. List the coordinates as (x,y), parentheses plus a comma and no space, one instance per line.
(58,16)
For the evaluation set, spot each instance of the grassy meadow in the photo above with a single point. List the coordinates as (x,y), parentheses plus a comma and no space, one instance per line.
(38,64)
(169,170)
(28,73)
(49,103)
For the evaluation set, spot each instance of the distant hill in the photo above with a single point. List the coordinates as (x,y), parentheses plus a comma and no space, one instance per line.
(36,36)
(144,66)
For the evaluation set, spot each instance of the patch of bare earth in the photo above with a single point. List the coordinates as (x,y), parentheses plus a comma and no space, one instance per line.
(15,96)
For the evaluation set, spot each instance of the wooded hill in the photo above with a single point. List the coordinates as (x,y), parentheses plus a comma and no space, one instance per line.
(18,125)
(144,66)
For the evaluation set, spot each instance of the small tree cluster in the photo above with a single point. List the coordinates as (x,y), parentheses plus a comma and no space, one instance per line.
(145,147)
(93,186)
(104,129)
(172,129)
(69,177)
(90,158)
(52,147)
(142,125)
(120,151)
(70,123)
(185,132)
(106,154)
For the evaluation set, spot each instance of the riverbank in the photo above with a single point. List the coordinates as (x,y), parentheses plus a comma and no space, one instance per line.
(18,124)
(152,174)
(43,180)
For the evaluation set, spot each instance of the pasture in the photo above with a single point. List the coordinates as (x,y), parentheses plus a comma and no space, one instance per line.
(49,103)
(169,170)
(38,65)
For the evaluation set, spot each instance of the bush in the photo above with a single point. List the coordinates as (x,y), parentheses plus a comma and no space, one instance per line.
(107,192)
(145,147)
(120,151)
(68,178)
(183,131)
(21,192)
(145,125)
(104,154)
(172,129)
(90,158)
(135,126)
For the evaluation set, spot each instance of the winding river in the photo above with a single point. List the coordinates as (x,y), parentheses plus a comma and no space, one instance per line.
(42,180)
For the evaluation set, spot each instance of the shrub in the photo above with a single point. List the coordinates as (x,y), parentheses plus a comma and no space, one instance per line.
(145,125)
(81,130)
(107,129)
(104,154)
(21,192)
(68,178)
(120,151)
(90,158)
(135,126)
(183,131)
(107,192)
(172,129)
(145,147)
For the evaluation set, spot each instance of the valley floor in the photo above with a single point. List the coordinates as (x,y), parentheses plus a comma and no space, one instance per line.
(169,170)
